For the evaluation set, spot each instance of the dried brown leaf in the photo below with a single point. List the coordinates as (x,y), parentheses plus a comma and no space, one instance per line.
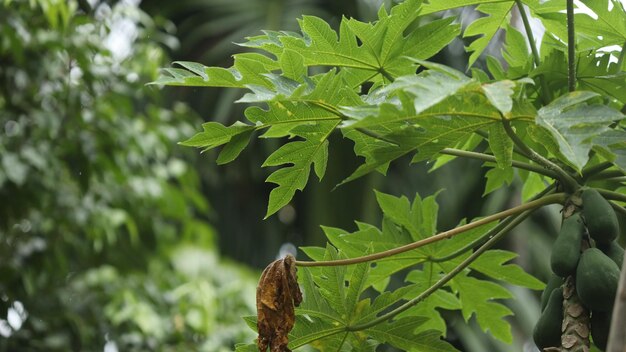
(276,295)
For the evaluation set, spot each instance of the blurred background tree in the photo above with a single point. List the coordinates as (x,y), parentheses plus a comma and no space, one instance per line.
(104,238)
(112,236)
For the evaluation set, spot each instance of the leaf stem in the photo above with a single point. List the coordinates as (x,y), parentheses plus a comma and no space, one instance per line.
(492,232)
(491,158)
(620,179)
(533,48)
(610,195)
(571,47)
(593,170)
(550,199)
(445,279)
(566,179)
(606,174)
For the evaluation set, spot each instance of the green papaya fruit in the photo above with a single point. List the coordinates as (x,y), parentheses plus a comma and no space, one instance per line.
(566,248)
(600,327)
(613,251)
(547,331)
(596,280)
(554,282)
(599,216)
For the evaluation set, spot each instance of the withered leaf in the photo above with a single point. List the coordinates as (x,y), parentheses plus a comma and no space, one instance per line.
(276,295)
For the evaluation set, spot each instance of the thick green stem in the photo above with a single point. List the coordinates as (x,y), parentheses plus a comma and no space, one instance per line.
(547,96)
(444,280)
(620,179)
(620,197)
(487,157)
(571,47)
(569,183)
(551,199)
(606,174)
(593,170)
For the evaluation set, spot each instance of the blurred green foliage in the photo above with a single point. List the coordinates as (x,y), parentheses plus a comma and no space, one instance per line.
(104,239)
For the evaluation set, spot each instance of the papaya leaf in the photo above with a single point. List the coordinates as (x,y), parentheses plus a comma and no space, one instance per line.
(614,144)
(216,134)
(516,53)
(440,299)
(247,69)
(369,51)
(501,146)
(487,27)
(574,124)
(477,298)
(405,334)
(302,154)
(609,25)
(492,264)
(498,177)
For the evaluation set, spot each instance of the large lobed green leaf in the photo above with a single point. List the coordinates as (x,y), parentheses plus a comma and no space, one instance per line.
(574,120)
(405,222)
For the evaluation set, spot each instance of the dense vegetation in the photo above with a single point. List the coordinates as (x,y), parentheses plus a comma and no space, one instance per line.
(103,226)
(550,114)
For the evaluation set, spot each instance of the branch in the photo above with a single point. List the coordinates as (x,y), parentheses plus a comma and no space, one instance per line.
(571,47)
(569,183)
(551,199)
(492,232)
(444,280)
(533,48)
(487,157)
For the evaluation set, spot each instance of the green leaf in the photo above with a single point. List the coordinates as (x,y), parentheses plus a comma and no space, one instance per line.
(401,333)
(302,154)
(609,25)
(247,69)
(487,27)
(429,307)
(314,303)
(614,144)
(234,147)
(492,264)
(358,283)
(498,177)
(443,5)
(500,95)
(501,146)
(574,124)
(308,330)
(216,134)
(516,51)
(368,51)
(292,65)
(477,298)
